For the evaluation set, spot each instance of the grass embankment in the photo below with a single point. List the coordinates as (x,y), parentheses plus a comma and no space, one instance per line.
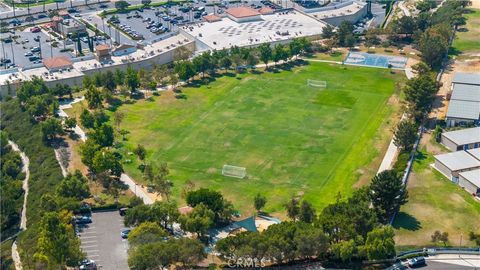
(467,37)
(293,139)
(45,173)
(435,203)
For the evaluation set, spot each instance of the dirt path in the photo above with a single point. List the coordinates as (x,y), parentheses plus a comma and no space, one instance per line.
(23,219)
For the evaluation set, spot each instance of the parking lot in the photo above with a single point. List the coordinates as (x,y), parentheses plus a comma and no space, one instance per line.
(101,241)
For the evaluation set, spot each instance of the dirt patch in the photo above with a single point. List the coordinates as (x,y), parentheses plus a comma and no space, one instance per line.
(75,161)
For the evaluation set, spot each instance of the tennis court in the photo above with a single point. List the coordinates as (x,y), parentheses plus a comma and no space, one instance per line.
(375,60)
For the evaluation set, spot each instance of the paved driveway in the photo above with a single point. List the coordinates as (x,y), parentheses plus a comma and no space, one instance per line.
(102,243)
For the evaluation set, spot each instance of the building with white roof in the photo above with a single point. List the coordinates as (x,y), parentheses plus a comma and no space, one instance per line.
(470,181)
(463,139)
(464,106)
(336,13)
(279,27)
(454,163)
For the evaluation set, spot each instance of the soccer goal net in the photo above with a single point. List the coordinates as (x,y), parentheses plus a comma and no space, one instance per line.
(315,83)
(234,171)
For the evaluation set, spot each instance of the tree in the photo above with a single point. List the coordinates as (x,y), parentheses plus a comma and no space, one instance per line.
(425,5)
(345,30)
(146,2)
(185,70)
(118,117)
(131,78)
(344,250)
(103,135)
(405,135)
(165,214)
(198,221)
(225,62)
(51,128)
(70,123)
(162,185)
(57,241)
(293,210)
(438,236)
(105,161)
(121,5)
(259,202)
(214,201)
(387,193)
(307,212)
(93,97)
(88,151)
(420,93)
(86,119)
(421,68)
(141,152)
(265,53)
(74,186)
(328,31)
(405,25)
(380,244)
(119,75)
(279,53)
(145,233)
(433,44)
(108,81)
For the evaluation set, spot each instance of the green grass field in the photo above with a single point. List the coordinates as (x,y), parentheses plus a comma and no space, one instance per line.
(435,203)
(293,139)
(466,41)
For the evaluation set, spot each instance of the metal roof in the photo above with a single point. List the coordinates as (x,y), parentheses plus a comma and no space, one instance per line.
(475,152)
(463,136)
(459,160)
(466,92)
(466,78)
(472,176)
(463,109)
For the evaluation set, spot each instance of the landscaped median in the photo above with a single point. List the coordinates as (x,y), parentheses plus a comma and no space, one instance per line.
(137,7)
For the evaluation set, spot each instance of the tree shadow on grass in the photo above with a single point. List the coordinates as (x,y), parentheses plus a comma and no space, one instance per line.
(420,156)
(407,222)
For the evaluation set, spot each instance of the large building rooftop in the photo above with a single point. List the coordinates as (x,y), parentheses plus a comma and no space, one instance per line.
(463,109)
(269,28)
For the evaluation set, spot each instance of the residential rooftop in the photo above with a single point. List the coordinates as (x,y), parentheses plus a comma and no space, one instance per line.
(463,109)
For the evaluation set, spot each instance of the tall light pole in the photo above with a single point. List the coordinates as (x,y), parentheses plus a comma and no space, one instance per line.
(39,46)
(13,53)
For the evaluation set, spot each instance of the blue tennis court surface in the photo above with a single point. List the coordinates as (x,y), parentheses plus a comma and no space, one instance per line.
(375,60)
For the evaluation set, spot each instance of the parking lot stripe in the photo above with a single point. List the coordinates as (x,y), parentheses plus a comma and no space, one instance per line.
(85,247)
(91,251)
(87,237)
(89,242)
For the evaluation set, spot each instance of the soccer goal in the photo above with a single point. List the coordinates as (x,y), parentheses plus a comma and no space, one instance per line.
(315,83)
(234,171)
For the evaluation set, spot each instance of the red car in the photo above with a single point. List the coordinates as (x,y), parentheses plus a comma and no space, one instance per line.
(35,29)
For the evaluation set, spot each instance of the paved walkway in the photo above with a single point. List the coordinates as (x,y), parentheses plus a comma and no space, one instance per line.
(138,190)
(472,261)
(23,219)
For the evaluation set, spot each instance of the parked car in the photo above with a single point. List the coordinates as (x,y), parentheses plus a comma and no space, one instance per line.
(35,29)
(35,49)
(124,233)
(83,220)
(27,54)
(88,265)
(5,61)
(416,262)
(41,16)
(36,39)
(123,211)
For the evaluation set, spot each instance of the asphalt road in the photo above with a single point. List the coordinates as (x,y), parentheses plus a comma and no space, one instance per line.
(102,242)
(445,266)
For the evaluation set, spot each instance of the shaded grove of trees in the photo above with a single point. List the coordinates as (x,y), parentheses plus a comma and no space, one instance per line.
(430,32)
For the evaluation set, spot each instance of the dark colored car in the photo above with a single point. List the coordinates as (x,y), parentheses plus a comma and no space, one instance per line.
(122,211)
(83,220)
(124,233)
(416,262)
